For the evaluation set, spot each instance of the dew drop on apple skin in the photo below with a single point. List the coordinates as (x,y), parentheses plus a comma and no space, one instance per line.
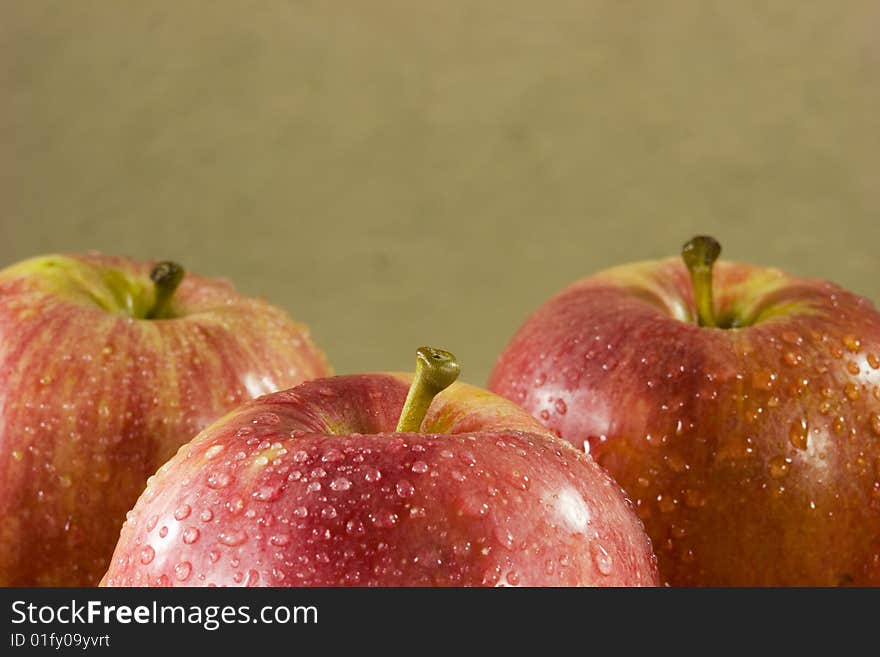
(779,467)
(604,562)
(875,424)
(147,555)
(798,434)
(190,535)
(182,571)
(233,538)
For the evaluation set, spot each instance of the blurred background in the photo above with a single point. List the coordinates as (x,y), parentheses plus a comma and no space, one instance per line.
(397,173)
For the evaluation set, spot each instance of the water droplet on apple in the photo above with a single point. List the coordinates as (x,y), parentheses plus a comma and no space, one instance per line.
(163,531)
(182,571)
(354,527)
(313,487)
(875,424)
(852,343)
(420,467)
(206,516)
(147,555)
(300,456)
(372,475)
(779,467)
(853,368)
(604,562)
(268,493)
(213,451)
(234,505)
(233,537)
(560,407)
(267,418)
(384,519)
(151,523)
(219,479)
(340,484)
(792,358)
(404,488)
(798,434)
(328,512)
(190,535)
(279,540)
(300,512)
(182,512)
(544,415)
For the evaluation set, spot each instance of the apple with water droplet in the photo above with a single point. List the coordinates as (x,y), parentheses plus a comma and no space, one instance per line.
(382,480)
(739,406)
(106,368)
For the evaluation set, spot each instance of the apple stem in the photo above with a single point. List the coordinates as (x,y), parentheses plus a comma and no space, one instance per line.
(699,254)
(435,370)
(166,276)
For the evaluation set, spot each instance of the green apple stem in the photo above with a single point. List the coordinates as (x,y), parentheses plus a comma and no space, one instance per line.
(435,370)
(699,254)
(166,276)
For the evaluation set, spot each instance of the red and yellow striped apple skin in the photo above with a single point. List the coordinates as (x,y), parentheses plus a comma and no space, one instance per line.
(92,401)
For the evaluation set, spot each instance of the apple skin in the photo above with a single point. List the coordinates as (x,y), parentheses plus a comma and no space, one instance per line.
(752,454)
(93,399)
(313,487)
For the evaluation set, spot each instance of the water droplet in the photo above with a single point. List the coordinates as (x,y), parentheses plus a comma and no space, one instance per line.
(206,516)
(405,489)
(300,456)
(340,484)
(328,512)
(603,560)
(182,512)
(853,368)
(163,531)
(384,519)
(213,451)
(279,540)
(313,487)
(17,455)
(420,467)
(300,512)
(267,418)
(792,358)
(852,391)
(875,424)
(318,473)
(147,555)
(332,456)
(182,571)
(764,379)
(233,537)
(852,343)
(190,535)
(219,479)
(545,415)
(235,505)
(560,407)
(665,503)
(372,475)
(798,434)
(540,380)
(65,481)
(151,523)
(874,361)
(512,578)
(779,467)
(268,493)
(354,527)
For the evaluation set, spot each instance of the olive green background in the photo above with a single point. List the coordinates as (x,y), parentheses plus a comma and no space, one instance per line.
(397,173)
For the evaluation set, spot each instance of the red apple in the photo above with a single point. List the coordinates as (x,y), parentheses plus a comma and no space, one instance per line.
(103,375)
(322,486)
(745,428)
